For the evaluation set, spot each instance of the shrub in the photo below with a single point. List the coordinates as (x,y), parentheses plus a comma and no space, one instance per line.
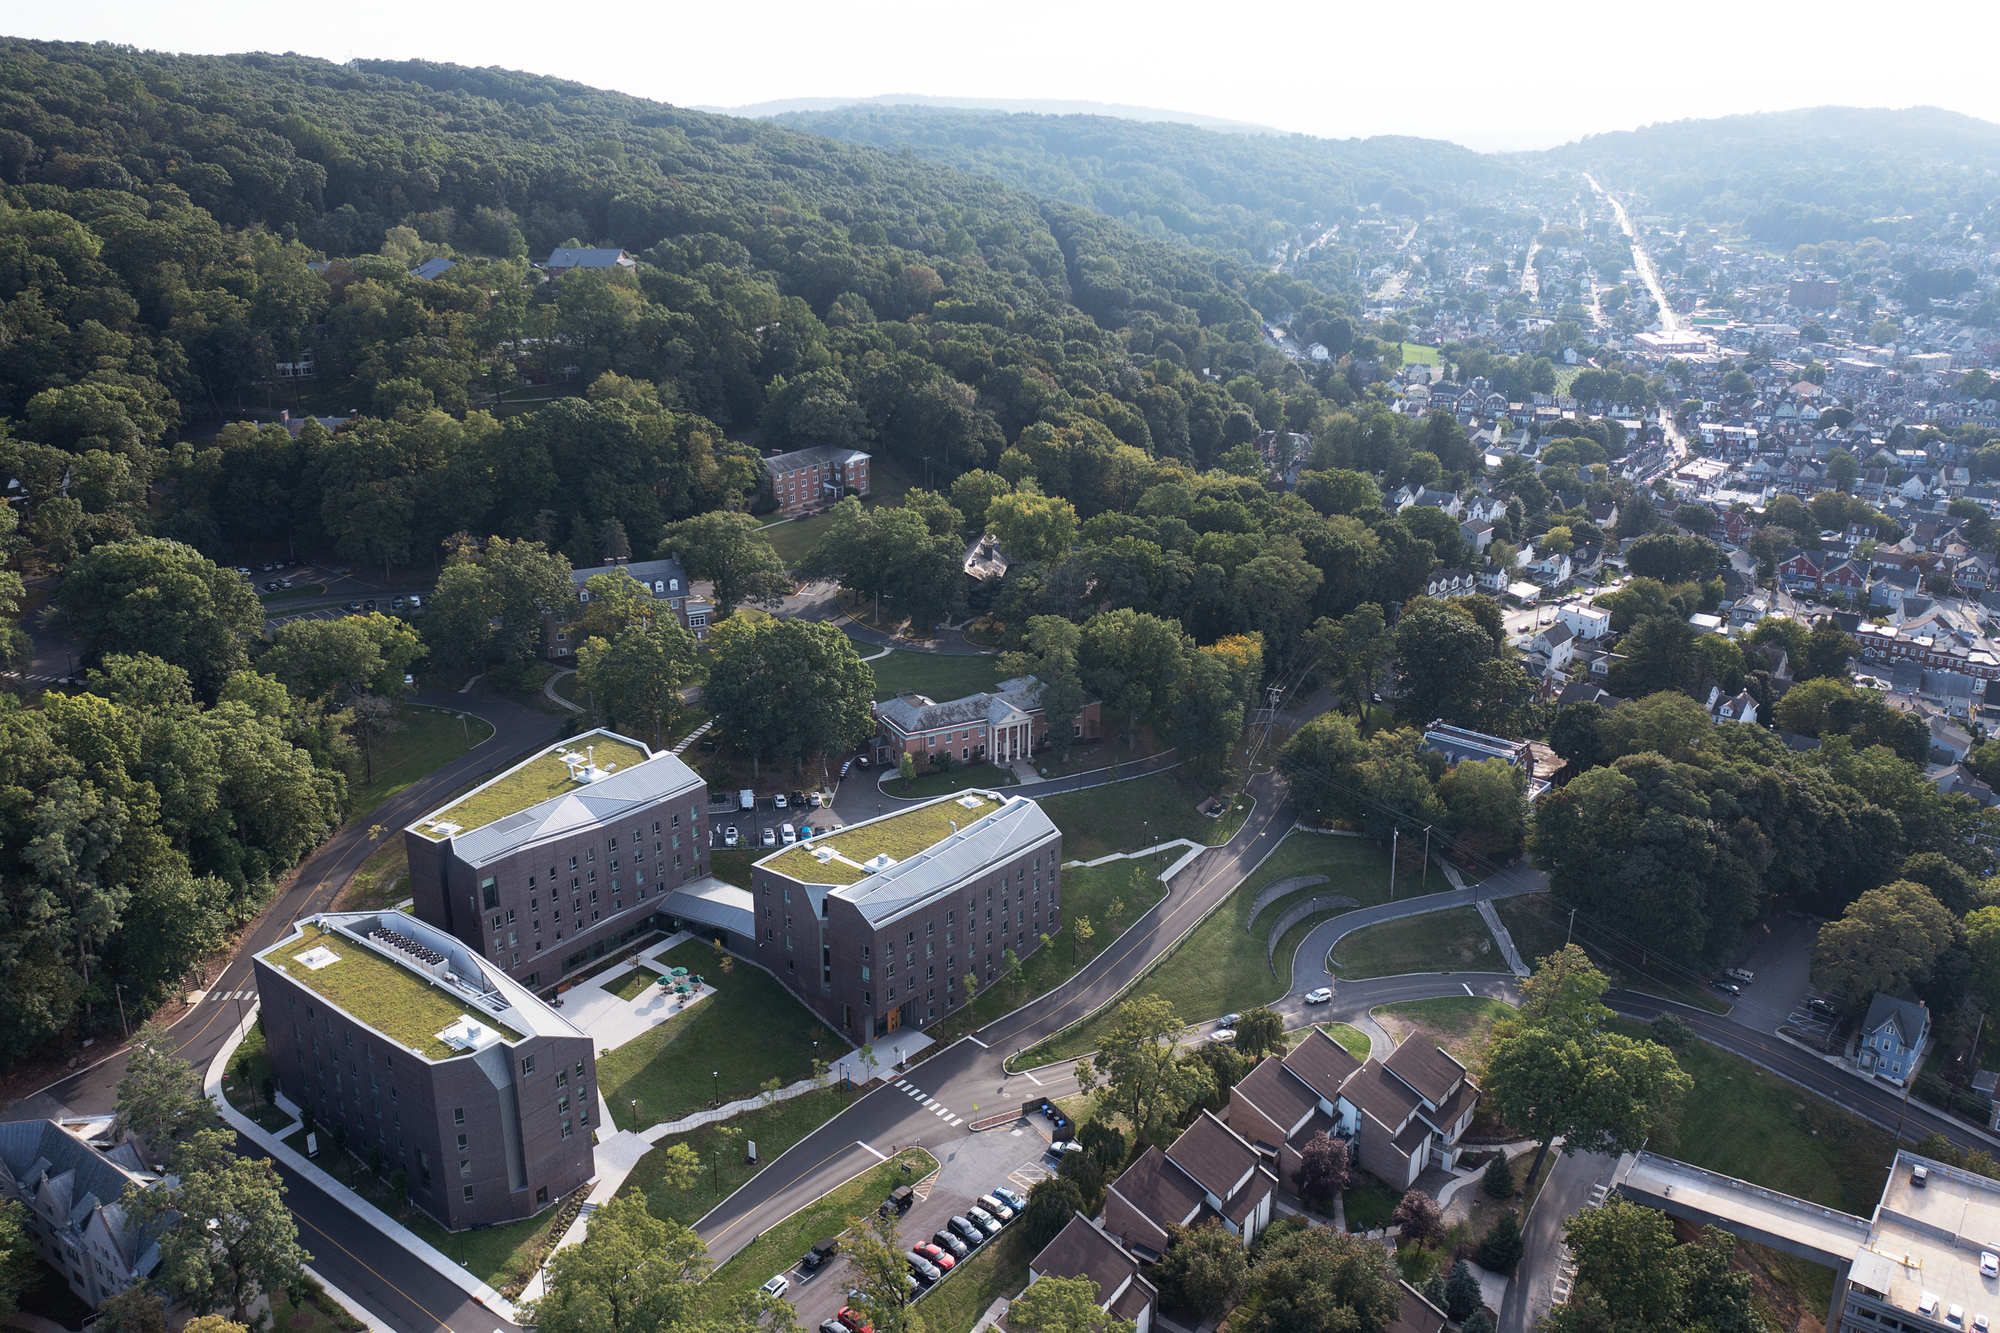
(1501,1251)
(1499,1179)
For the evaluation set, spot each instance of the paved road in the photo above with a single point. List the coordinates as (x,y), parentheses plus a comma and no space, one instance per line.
(1568,1188)
(969,1074)
(404,1291)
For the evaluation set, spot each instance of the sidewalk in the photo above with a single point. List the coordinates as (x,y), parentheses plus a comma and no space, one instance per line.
(367,1213)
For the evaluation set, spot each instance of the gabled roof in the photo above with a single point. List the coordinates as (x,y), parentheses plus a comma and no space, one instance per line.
(1322,1064)
(1082,1249)
(602,801)
(1381,1096)
(1159,1192)
(81,1180)
(1424,1066)
(1911,1018)
(1280,1095)
(1215,1155)
(565,256)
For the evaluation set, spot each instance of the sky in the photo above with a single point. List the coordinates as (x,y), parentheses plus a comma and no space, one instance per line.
(1490,76)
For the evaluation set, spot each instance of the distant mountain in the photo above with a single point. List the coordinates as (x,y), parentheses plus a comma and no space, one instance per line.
(1235,193)
(1826,173)
(1032,105)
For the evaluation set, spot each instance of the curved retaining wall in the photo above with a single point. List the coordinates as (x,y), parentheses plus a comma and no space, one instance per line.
(1300,911)
(1270,893)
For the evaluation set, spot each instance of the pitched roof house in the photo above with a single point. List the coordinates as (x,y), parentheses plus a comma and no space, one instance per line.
(70,1185)
(1209,1171)
(1893,1036)
(1084,1249)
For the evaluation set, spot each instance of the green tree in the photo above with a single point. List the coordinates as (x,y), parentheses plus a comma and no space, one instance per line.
(1325,1280)
(159,1096)
(1320,763)
(1555,1072)
(635,679)
(458,619)
(1032,526)
(1486,805)
(788,688)
(1136,1064)
(528,584)
(1498,1178)
(1052,1202)
(1137,664)
(320,660)
(877,1271)
(1887,940)
(635,1273)
(224,1231)
(1049,654)
(1501,1250)
(973,492)
(1202,1271)
(18,1259)
(1063,1305)
(1632,1274)
(1461,1291)
(137,1309)
(164,599)
(1448,667)
(1260,1032)
(727,548)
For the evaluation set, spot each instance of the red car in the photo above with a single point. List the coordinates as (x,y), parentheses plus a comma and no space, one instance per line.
(936,1255)
(853,1320)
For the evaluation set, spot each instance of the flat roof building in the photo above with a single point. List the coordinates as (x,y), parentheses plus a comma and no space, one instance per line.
(398,1032)
(876,925)
(569,852)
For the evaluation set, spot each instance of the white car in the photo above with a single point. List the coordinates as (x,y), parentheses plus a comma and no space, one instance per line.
(1223,1035)
(1321,996)
(790,834)
(1989,1264)
(777,1286)
(778,801)
(730,837)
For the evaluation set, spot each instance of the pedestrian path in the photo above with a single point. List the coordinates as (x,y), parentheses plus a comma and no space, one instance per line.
(694,735)
(1502,938)
(931,1104)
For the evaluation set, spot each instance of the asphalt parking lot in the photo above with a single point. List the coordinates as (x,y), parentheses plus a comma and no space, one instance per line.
(968,1167)
(1780,953)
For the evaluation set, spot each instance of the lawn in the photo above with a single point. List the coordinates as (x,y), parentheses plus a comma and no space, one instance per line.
(794,539)
(1770,1132)
(774,1129)
(935,675)
(898,836)
(752,1030)
(731,865)
(430,739)
(243,1086)
(1454,940)
(383,880)
(1223,965)
(1369,1204)
(1540,927)
(778,1249)
(1126,816)
(1353,1038)
(997,1268)
(960,778)
(1416,354)
(1462,1024)
(1089,893)
(634,983)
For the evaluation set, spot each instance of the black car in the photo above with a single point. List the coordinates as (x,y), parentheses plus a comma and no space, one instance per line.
(369,605)
(1824,1008)
(971,1234)
(946,1240)
(798,800)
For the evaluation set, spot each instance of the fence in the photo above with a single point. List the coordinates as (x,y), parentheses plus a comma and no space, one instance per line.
(1270,893)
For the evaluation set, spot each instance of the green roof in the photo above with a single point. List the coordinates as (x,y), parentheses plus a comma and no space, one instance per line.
(899,836)
(530,783)
(403,1005)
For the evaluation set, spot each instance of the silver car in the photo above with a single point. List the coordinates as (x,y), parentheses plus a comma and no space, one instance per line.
(984,1220)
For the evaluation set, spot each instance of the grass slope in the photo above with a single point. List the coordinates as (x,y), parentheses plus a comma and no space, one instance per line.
(774,1129)
(1453,940)
(1222,965)
(430,739)
(1462,1024)
(1126,816)
(935,675)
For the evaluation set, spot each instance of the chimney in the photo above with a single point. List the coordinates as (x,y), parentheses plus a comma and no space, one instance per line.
(285,415)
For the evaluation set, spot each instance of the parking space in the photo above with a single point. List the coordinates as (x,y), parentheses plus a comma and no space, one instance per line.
(797,811)
(970,1166)
(1779,953)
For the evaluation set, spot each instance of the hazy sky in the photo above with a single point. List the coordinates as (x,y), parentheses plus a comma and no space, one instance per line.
(1488,75)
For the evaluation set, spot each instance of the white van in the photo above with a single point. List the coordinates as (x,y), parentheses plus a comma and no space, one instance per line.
(790,834)
(746,799)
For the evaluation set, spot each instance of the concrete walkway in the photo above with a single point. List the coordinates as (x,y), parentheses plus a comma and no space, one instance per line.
(1490,917)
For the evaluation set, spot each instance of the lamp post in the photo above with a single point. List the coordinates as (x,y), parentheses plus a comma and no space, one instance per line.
(718,1088)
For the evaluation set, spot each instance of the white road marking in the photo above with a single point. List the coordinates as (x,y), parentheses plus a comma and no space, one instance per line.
(1031,1078)
(1468,989)
(977,1042)
(882,1156)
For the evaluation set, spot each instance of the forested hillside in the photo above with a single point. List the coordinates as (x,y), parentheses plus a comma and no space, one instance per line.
(1236,194)
(1801,177)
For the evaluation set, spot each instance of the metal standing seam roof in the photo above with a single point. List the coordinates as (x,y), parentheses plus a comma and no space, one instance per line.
(714,903)
(602,802)
(1016,826)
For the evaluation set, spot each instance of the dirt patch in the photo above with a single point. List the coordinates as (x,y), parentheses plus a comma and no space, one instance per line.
(383,880)
(1463,1029)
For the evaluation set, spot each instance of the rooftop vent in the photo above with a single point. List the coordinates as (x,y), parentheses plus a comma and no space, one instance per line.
(971,802)
(879,862)
(465,1035)
(584,768)
(319,956)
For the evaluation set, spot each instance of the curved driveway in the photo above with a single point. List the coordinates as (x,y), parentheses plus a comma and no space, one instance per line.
(369,1267)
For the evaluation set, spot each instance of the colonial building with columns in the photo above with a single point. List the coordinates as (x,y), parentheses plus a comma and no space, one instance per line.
(1005,725)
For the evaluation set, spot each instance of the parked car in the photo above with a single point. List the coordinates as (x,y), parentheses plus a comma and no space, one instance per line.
(730,837)
(798,800)
(1063,1147)
(1321,996)
(925,1270)
(777,1286)
(1229,1020)
(790,834)
(369,606)
(1727,987)
(861,759)
(996,1208)
(416,602)
(823,1249)
(352,607)
(815,800)
(984,1220)
(1010,1198)
(945,1239)
(1223,1035)
(402,602)
(1743,975)
(770,836)
(832,1326)
(778,801)
(1824,1008)
(852,1319)
(936,1254)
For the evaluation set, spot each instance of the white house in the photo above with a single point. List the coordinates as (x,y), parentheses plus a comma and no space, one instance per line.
(1586,622)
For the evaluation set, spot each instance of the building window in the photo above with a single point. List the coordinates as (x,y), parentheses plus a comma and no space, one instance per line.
(566,1130)
(468,1193)
(527,1064)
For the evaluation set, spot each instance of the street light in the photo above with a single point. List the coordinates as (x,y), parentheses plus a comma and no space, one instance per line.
(718,1087)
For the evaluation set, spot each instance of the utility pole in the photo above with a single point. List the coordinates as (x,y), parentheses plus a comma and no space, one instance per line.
(120,990)
(1568,934)
(1393,835)
(1427,857)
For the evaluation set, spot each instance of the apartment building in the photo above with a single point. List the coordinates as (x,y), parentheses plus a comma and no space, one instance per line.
(876,925)
(424,1052)
(565,855)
